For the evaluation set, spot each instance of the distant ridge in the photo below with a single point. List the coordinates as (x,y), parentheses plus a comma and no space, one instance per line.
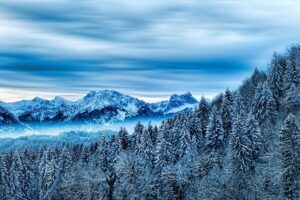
(96,106)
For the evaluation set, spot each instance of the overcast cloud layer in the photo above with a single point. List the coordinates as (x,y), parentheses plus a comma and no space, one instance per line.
(149,49)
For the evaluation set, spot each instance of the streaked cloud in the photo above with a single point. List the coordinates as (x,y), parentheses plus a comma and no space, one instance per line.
(149,49)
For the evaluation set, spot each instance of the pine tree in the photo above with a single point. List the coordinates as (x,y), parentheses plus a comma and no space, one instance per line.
(203,115)
(239,140)
(292,73)
(240,150)
(215,131)
(215,140)
(123,139)
(175,135)
(148,149)
(152,133)
(64,167)
(114,147)
(29,182)
(65,160)
(6,161)
(85,155)
(191,120)
(247,90)
(292,99)
(164,150)
(16,188)
(102,155)
(264,108)
(226,113)
(199,140)
(193,123)
(184,144)
(3,172)
(217,101)
(47,176)
(137,137)
(290,150)
(276,77)
(2,176)
(256,143)
(155,135)
(215,137)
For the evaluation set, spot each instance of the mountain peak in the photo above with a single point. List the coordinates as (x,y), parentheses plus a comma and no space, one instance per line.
(90,94)
(188,93)
(102,93)
(38,99)
(177,101)
(184,98)
(58,98)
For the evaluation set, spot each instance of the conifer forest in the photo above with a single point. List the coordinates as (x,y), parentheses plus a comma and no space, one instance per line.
(244,144)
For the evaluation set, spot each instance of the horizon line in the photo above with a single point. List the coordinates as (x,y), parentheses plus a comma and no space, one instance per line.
(73,97)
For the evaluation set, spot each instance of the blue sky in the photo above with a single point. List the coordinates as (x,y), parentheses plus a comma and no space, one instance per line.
(148,49)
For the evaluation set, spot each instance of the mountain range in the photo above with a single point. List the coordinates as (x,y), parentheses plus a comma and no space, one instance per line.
(96,106)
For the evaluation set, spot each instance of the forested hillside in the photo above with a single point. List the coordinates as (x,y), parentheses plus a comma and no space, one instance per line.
(243,144)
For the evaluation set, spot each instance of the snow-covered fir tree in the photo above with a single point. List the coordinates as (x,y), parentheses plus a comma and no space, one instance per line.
(290,150)
(215,140)
(226,113)
(264,107)
(123,139)
(148,149)
(29,183)
(203,115)
(16,189)
(164,149)
(239,140)
(47,176)
(240,151)
(137,137)
(276,73)
(292,98)
(249,86)
(215,132)
(292,73)
(256,142)
(186,141)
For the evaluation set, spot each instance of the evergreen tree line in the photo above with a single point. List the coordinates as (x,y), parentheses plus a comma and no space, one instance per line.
(244,144)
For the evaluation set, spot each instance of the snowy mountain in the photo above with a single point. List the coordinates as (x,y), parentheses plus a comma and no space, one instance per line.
(8,122)
(175,104)
(38,109)
(101,106)
(7,118)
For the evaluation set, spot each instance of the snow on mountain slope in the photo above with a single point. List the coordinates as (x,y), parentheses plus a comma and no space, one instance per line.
(7,118)
(181,108)
(176,102)
(39,109)
(99,100)
(101,106)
